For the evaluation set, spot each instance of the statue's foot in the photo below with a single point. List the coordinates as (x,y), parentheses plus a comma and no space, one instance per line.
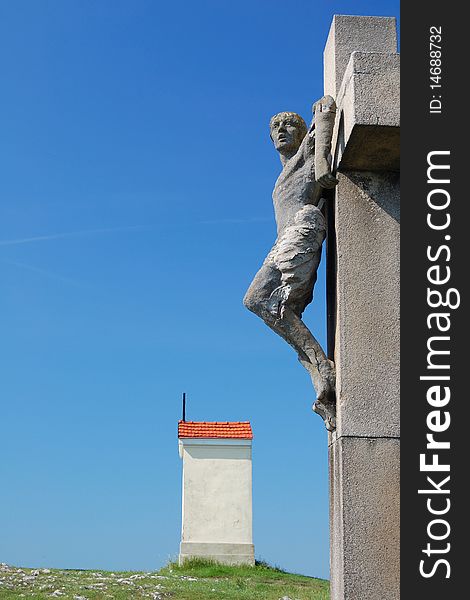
(325,404)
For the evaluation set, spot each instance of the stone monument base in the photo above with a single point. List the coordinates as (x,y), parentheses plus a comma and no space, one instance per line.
(228,554)
(364,512)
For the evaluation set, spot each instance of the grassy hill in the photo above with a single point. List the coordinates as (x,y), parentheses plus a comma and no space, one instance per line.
(197,580)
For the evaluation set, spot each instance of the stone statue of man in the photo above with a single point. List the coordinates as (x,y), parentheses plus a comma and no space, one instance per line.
(283,287)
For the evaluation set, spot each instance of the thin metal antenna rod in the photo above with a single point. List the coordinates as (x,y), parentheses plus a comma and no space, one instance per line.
(184,407)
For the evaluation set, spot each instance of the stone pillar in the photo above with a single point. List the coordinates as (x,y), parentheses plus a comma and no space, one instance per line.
(362,73)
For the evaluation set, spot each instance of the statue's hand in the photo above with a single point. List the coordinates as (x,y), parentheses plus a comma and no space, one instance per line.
(324,176)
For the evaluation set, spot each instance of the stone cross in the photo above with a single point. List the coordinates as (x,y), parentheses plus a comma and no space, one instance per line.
(361,71)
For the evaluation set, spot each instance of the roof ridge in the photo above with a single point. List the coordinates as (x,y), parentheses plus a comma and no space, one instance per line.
(215,422)
(215,429)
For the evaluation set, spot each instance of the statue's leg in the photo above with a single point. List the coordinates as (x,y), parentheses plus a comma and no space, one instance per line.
(297,254)
(313,358)
(281,290)
(266,280)
(287,324)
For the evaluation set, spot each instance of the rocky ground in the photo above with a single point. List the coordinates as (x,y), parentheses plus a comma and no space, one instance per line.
(196,582)
(78,585)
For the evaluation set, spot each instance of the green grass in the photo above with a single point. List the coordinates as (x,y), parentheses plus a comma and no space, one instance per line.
(196,580)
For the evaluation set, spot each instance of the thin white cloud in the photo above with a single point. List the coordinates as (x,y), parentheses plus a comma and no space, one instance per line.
(91,232)
(39,271)
(67,234)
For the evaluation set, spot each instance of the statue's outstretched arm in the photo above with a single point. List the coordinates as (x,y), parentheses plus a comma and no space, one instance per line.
(324,111)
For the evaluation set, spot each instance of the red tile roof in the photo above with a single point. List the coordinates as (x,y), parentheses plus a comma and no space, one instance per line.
(225,429)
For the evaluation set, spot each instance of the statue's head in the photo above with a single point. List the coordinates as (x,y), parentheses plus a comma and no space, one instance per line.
(287,131)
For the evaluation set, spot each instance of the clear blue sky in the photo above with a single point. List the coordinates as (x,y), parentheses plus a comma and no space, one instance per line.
(136,184)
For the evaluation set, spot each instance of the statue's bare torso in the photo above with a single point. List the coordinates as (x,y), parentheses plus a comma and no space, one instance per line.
(296,186)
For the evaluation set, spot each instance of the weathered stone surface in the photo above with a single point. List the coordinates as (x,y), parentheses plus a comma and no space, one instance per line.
(367,134)
(367,353)
(364,513)
(350,34)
